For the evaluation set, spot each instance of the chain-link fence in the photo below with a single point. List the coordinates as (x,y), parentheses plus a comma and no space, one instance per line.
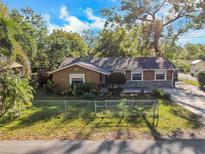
(100,108)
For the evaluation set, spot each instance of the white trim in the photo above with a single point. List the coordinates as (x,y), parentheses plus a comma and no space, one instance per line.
(165,74)
(79,64)
(136,71)
(70,77)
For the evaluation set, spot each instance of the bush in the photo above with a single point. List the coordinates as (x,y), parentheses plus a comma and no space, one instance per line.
(89,96)
(81,88)
(57,89)
(159,93)
(42,77)
(115,91)
(116,78)
(49,86)
(201,79)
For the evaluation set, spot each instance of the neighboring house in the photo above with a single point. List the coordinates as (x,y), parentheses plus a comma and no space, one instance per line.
(197,66)
(13,65)
(141,72)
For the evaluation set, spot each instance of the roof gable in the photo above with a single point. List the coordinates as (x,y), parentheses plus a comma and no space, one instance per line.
(84,65)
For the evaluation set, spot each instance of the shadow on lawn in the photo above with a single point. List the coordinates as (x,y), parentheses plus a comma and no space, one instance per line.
(84,113)
(192,119)
(43,114)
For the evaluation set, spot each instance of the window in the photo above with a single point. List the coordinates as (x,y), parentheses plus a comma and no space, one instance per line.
(76,78)
(160,75)
(137,75)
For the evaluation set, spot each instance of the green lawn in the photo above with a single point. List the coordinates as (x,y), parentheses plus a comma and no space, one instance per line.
(50,121)
(194,83)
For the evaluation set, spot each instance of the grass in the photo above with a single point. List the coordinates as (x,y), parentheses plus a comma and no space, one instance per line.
(49,121)
(194,83)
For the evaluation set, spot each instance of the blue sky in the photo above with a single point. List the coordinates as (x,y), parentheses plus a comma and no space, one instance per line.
(79,15)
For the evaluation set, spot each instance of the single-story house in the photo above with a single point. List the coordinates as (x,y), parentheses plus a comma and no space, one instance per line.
(197,66)
(140,72)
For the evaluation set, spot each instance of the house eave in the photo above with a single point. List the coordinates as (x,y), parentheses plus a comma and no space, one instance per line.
(78,64)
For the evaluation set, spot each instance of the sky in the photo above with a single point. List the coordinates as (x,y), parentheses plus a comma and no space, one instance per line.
(79,15)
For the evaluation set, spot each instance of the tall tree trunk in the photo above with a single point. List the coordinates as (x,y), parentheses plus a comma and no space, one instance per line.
(157,28)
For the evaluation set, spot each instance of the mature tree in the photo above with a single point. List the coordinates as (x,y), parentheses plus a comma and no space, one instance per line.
(194,51)
(11,45)
(14,90)
(163,17)
(90,37)
(61,44)
(118,42)
(35,32)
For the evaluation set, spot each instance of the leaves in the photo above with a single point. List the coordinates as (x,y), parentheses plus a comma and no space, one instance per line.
(14,91)
(161,17)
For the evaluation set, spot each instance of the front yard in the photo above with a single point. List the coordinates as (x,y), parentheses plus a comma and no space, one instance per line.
(49,120)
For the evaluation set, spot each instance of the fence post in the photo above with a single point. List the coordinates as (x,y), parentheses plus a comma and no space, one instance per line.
(123,108)
(132,105)
(95,108)
(65,105)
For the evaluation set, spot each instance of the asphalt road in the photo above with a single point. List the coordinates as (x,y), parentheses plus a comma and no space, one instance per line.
(103,147)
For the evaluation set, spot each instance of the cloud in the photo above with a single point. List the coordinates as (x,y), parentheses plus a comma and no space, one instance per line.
(50,26)
(193,36)
(97,22)
(75,24)
(63,12)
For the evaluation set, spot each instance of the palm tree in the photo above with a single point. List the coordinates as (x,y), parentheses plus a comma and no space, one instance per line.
(15,91)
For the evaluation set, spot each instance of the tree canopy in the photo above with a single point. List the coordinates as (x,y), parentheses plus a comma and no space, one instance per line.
(160,19)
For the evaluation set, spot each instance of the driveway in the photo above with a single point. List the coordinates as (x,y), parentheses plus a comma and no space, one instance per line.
(187,77)
(103,147)
(191,97)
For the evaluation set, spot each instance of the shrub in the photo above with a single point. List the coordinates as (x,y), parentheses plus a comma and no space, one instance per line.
(116,78)
(115,91)
(42,77)
(159,93)
(89,96)
(57,89)
(49,86)
(81,88)
(201,79)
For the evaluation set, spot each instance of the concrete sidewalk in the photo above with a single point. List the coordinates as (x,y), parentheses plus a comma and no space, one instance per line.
(103,147)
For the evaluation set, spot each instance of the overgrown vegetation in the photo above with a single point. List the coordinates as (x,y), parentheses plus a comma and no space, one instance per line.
(15,43)
(83,89)
(160,94)
(16,93)
(201,79)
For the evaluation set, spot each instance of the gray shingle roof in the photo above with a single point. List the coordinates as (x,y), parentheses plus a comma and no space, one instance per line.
(113,64)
